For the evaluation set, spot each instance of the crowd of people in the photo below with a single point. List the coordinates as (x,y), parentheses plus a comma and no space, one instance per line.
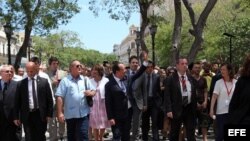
(178,102)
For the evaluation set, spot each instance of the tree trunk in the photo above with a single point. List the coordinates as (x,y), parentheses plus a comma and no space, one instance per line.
(176,37)
(198,29)
(23,48)
(31,16)
(144,5)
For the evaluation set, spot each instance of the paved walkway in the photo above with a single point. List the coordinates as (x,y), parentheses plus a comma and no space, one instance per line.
(109,137)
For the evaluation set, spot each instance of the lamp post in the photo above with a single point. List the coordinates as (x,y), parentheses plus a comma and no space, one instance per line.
(230,45)
(137,41)
(153,30)
(128,51)
(8,32)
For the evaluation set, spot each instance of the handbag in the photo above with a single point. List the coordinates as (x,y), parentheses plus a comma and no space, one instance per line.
(89,101)
(88,98)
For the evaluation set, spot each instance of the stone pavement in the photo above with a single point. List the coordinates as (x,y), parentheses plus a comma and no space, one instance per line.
(109,137)
(198,138)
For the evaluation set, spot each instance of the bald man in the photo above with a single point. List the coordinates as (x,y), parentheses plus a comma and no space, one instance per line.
(34,104)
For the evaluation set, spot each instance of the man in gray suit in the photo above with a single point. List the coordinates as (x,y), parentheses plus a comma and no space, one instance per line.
(153,103)
(8,130)
(137,96)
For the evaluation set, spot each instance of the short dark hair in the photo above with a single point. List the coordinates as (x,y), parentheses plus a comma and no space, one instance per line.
(178,59)
(35,60)
(191,65)
(151,62)
(132,57)
(116,67)
(51,59)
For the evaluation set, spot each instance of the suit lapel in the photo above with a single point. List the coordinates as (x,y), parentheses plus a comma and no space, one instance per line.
(38,82)
(153,83)
(117,85)
(9,88)
(26,89)
(177,80)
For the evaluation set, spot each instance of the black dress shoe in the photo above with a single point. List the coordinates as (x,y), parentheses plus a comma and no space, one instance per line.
(105,135)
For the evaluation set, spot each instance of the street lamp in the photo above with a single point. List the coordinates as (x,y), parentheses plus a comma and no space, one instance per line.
(153,30)
(137,41)
(128,51)
(8,32)
(230,45)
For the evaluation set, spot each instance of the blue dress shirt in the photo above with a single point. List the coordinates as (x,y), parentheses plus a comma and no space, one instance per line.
(72,92)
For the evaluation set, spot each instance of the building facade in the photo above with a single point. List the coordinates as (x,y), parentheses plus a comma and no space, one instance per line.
(127,47)
(15,44)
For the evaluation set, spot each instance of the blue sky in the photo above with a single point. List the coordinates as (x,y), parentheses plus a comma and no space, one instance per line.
(99,33)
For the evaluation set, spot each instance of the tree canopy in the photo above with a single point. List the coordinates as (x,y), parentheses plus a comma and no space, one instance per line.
(36,16)
(66,46)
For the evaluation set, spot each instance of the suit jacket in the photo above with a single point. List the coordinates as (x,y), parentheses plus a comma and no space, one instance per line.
(239,106)
(138,90)
(44,96)
(116,100)
(173,95)
(156,89)
(9,101)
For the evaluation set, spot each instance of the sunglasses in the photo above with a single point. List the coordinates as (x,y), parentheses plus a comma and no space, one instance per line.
(78,66)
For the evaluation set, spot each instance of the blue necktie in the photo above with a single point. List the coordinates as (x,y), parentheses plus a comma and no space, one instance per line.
(123,86)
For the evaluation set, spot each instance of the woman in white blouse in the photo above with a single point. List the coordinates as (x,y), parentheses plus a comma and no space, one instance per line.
(98,118)
(222,94)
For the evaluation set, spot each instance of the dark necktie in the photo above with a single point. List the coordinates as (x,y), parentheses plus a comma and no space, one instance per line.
(184,89)
(34,93)
(148,85)
(4,89)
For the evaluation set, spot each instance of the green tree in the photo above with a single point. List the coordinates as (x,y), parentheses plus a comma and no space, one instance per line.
(36,16)
(225,12)
(66,46)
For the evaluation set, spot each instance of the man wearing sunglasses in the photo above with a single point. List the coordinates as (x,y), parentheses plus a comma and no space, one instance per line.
(71,102)
(8,131)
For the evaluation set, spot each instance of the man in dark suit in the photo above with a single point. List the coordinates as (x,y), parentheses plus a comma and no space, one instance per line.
(153,103)
(116,100)
(8,130)
(180,101)
(137,96)
(34,104)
